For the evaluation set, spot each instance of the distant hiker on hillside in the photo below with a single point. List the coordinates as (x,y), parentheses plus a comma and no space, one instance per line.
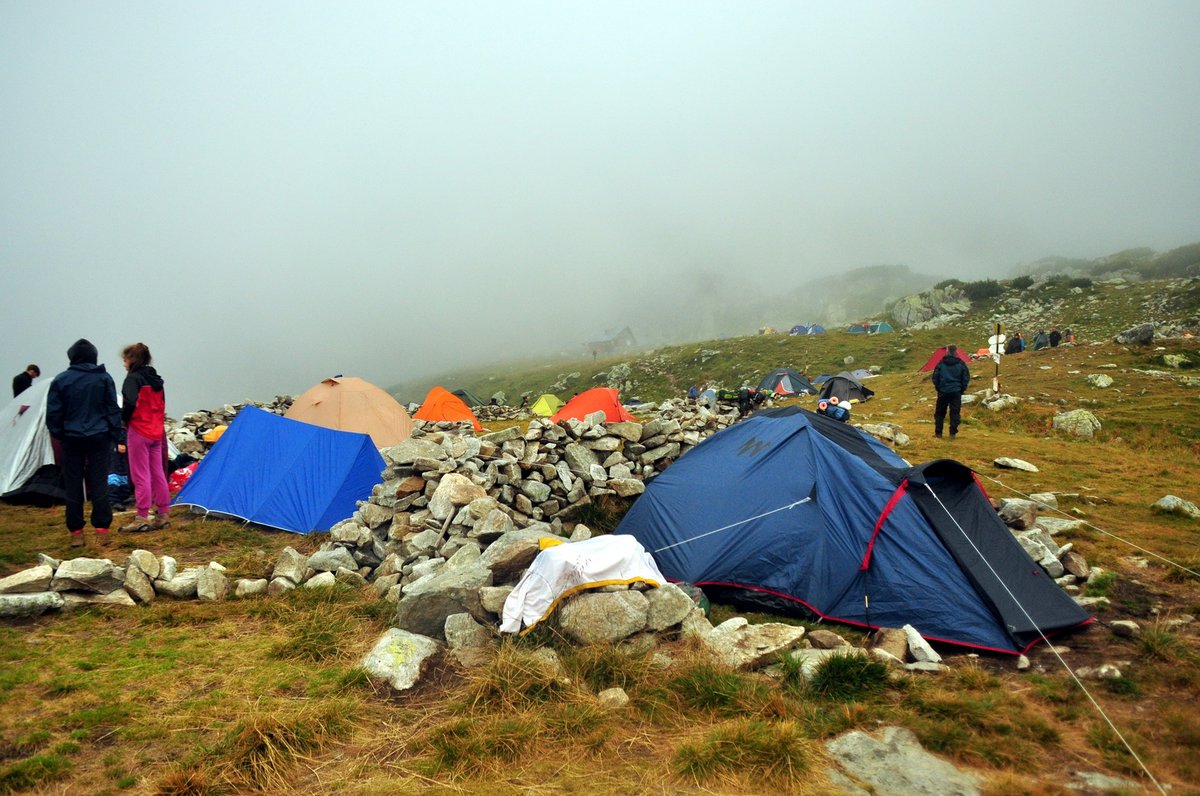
(1068,335)
(1012,346)
(1055,337)
(525,401)
(951,379)
(82,413)
(143,409)
(25,378)
(693,393)
(1041,340)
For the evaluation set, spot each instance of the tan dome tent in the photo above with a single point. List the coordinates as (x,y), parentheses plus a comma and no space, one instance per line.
(346,403)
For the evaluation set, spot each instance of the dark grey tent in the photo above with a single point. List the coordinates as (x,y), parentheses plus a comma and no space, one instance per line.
(786,381)
(846,388)
(469,398)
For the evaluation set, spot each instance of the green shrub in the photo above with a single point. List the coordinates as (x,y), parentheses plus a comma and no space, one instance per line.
(1080,281)
(982,290)
(849,677)
(945,283)
(1021,283)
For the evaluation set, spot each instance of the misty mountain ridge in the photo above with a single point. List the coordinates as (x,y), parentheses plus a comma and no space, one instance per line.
(1096,307)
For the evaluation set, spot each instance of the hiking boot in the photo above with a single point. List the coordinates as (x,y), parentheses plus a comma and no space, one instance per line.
(77,538)
(139,525)
(102,536)
(159,523)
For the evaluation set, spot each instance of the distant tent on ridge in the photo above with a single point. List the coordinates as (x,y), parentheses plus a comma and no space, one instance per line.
(937,355)
(787,381)
(347,403)
(796,513)
(468,397)
(846,388)
(546,405)
(440,405)
(284,473)
(597,399)
(28,471)
(877,327)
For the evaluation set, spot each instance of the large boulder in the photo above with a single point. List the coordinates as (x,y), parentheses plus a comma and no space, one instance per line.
(25,605)
(668,606)
(453,490)
(97,575)
(399,658)
(1018,513)
(291,565)
(510,555)
(741,645)
(412,449)
(1077,422)
(28,581)
(331,560)
(603,617)
(896,763)
(426,603)
(1170,504)
(1142,334)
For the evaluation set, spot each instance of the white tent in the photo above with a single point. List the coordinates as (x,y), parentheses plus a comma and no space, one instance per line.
(24,439)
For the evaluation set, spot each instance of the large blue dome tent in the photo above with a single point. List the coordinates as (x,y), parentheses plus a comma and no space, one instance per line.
(793,512)
(284,473)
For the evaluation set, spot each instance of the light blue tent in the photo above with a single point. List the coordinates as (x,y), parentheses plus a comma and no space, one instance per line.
(284,474)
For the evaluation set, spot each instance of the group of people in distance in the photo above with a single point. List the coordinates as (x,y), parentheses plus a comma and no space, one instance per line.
(85,421)
(1016,343)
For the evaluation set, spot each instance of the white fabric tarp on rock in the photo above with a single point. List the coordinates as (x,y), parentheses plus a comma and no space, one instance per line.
(562,570)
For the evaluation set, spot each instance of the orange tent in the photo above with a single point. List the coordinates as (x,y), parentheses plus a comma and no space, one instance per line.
(597,399)
(443,405)
(351,404)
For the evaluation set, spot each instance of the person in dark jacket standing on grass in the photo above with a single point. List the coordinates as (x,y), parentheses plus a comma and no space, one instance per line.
(951,379)
(143,409)
(82,414)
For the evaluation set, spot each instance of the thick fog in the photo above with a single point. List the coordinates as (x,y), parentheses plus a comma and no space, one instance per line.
(268,193)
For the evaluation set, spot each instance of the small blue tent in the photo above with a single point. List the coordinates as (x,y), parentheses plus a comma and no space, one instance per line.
(791,512)
(284,473)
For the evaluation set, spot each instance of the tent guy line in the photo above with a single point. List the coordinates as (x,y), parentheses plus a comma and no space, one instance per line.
(1090,525)
(1049,646)
(791,505)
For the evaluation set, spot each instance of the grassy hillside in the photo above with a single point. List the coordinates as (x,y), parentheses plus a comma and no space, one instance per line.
(264,695)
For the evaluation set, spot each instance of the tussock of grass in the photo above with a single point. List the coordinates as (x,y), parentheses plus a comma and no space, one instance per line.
(704,685)
(516,678)
(462,745)
(1162,644)
(185,782)
(604,666)
(777,752)
(1101,585)
(849,677)
(260,748)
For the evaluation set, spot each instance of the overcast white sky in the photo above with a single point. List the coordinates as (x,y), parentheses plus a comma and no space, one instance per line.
(270,192)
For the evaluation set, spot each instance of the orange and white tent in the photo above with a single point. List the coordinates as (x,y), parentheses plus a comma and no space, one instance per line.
(597,399)
(441,405)
(346,403)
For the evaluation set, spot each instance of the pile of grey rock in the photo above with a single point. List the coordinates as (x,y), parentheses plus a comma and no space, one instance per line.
(54,584)
(187,433)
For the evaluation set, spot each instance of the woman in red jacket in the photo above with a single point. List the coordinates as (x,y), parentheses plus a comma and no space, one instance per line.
(143,408)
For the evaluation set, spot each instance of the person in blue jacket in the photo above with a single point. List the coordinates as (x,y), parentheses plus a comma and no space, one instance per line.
(951,379)
(82,414)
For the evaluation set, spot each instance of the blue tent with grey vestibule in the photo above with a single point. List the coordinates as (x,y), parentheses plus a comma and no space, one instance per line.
(284,474)
(792,512)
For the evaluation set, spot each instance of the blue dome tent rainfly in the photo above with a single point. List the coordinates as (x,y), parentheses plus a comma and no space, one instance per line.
(793,512)
(284,474)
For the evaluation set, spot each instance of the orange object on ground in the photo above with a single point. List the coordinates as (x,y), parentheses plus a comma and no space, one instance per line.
(597,399)
(352,404)
(441,405)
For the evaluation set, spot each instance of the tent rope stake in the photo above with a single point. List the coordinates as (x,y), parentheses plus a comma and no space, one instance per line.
(1050,646)
(791,505)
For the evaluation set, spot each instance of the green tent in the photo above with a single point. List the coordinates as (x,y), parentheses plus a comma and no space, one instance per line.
(546,405)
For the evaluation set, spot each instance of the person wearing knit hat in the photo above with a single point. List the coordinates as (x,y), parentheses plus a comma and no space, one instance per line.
(82,414)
